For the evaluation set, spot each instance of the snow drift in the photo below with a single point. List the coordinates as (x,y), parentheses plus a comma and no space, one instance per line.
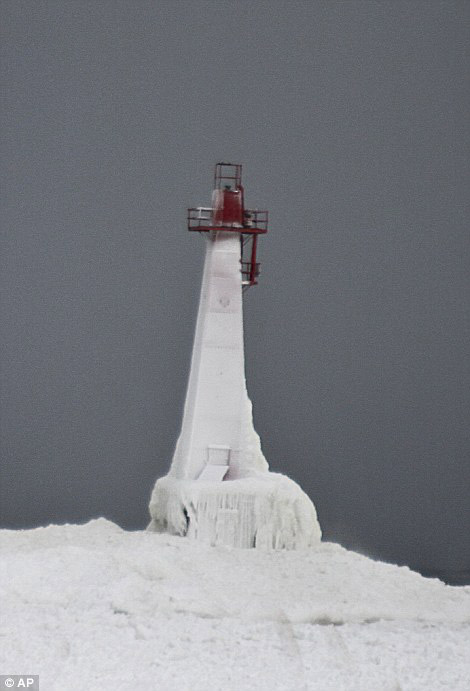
(94,607)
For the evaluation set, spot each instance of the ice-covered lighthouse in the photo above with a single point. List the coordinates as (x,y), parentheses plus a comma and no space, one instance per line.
(219,488)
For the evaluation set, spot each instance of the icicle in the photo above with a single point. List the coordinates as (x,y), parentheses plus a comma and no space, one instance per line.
(268,511)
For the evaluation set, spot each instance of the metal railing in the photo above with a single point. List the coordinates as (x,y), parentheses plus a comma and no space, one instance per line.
(227,172)
(254,218)
(250,273)
(255,221)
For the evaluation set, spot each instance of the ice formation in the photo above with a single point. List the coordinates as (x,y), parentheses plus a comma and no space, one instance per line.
(269,511)
(219,488)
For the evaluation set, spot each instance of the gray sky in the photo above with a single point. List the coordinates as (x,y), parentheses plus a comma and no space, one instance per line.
(351,121)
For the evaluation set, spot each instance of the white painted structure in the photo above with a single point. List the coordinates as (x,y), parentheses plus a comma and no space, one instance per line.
(217,427)
(219,488)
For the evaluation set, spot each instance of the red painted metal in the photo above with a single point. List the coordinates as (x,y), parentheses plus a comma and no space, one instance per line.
(227,208)
(228,214)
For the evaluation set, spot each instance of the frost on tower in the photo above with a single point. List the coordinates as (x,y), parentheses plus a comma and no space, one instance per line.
(219,488)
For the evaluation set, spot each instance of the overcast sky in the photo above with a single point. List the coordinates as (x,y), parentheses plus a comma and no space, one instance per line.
(351,121)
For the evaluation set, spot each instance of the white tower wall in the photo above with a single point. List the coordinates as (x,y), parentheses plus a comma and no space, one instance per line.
(217,420)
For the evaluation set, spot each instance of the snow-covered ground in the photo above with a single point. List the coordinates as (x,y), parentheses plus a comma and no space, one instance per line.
(95,608)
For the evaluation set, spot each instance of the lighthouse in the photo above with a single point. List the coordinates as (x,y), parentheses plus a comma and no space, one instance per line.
(219,489)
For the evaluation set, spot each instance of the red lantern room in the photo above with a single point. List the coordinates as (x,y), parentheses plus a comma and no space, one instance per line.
(228,213)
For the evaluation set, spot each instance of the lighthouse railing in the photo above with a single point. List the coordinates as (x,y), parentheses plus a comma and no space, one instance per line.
(254,221)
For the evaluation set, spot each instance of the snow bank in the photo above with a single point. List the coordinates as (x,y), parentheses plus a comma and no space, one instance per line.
(268,511)
(93,607)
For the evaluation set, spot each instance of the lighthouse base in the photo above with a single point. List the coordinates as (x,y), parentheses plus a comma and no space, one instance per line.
(267,511)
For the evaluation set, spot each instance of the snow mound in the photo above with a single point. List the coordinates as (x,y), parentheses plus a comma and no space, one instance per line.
(99,608)
(267,511)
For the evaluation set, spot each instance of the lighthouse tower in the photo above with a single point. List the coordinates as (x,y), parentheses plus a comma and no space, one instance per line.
(219,488)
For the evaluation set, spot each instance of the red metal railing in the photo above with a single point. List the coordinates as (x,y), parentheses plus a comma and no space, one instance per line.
(225,172)
(255,221)
(250,273)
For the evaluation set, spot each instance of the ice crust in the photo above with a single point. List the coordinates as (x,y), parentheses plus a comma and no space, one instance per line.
(267,511)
